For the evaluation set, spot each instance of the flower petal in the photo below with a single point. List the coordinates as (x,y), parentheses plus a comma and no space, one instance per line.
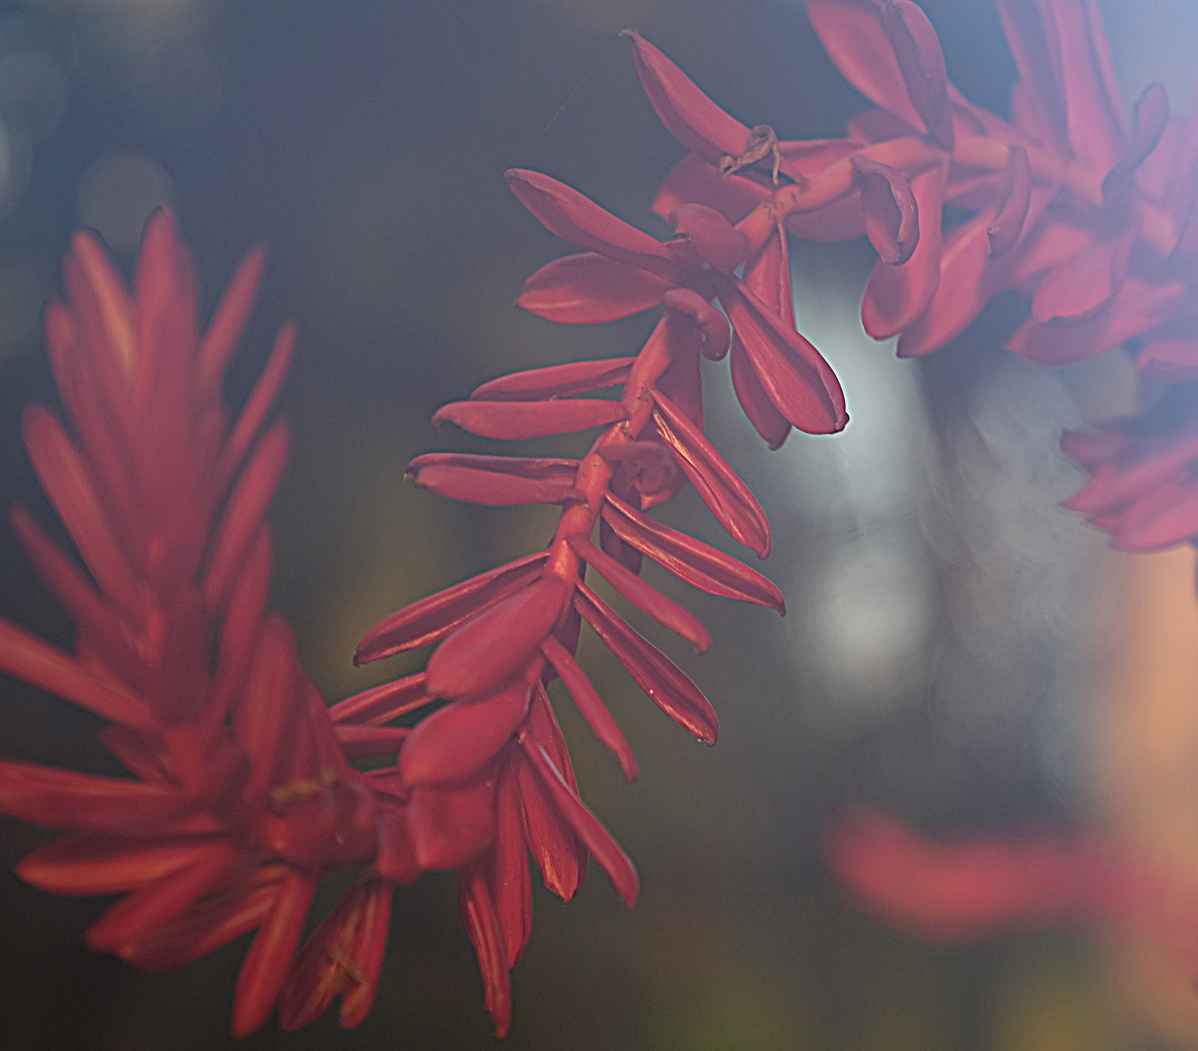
(647,467)
(952,891)
(798,380)
(456,741)
(544,469)
(64,476)
(451,825)
(506,867)
(761,412)
(1169,360)
(1083,283)
(264,721)
(665,683)
(699,564)
(382,703)
(682,380)
(1016,196)
(860,40)
(492,488)
(229,319)
(1062,53)
(890,208)
(268,960)
(514,420)
(367,742)
(240,624)
(644,596)
(557,381)
(396,857)
(729,499)
(1134,309)
(211,922)
(897,294)
(139,914)
(27,658)
(1166,517)
(492,645)
(921,63)
(97,625)
(591,705)
(97,863)
(619,550)
(247,505)
(556,847)
(688,114)
(54,798)
(590,289)
(575,218)
(768,277)
(560,855)
(482,925)
(259,404)
(693,180)
(598,840)
(716,241)
(343,956)
(717,334)
(431,619)
(961,294)
(98,298)
(1151,119)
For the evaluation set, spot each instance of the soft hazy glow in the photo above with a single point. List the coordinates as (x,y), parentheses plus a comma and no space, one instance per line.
(14,160)
(867,600)
(33,89)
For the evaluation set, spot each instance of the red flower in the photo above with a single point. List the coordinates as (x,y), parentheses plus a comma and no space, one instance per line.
(627,271)
(240,799)
(1083,213)
(486,781)
(1089,230)
(830,189)
(975,888)
(1143,489)
(971,888)
(486,778)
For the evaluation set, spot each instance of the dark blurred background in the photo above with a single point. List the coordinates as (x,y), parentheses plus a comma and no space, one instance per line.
(938,659)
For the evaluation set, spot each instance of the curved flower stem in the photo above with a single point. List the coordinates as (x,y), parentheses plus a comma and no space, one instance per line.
(594,472)
(1156,227)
